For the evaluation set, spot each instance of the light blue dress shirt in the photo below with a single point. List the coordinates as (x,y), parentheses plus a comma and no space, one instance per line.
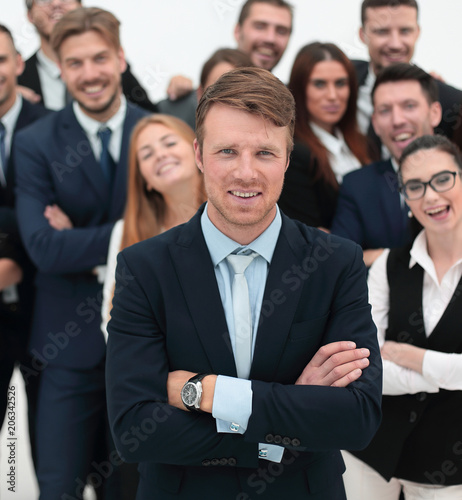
(232,402)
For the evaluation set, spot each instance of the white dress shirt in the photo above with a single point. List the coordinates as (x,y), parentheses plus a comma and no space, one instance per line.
(364,102)
(341,159)
(91,127)
(53,88)
(439,370)
(9,120)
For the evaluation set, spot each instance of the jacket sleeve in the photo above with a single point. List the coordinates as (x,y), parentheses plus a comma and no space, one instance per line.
(68,251)
(137,370)
(347,221)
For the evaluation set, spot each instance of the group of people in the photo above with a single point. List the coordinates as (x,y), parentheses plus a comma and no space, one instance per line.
(235,354)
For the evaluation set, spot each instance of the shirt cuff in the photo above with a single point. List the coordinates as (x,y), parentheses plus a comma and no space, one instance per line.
(271,452)
(443,369)
(232,404)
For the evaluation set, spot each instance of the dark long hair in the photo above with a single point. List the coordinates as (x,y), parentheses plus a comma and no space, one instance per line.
(306,59)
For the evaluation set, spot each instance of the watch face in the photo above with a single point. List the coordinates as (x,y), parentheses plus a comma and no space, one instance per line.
(189,394)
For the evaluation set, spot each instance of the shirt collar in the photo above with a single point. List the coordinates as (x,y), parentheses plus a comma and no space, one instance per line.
(48,65)
(10,118)
(335,144)
(220,246)
(419,255)
(91,126)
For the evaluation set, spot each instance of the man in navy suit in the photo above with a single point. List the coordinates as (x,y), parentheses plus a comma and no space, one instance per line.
(71,187)
(390,31)
(370,208)
(16,271)
(211,412)
(41,73)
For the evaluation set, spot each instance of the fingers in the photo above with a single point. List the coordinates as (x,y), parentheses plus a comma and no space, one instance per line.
(344,374)
(328,350)
(179,86)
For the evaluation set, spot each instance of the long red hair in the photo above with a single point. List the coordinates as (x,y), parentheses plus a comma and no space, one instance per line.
(306,59)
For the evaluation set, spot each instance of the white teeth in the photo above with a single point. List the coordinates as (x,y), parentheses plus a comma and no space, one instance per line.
(265,51)
(243,195)
(164,168)
(436,210)
(93,90)
(403,137)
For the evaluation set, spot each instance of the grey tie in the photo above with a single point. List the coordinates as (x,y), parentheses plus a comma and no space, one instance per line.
(242,313)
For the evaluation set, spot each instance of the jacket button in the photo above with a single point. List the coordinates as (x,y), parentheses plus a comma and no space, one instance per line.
(286,441)
(277,439)
(205,463)
(223,461)
(215,461)
(232,461)
(421,396)
(412,417)
(295,442)
(269,438)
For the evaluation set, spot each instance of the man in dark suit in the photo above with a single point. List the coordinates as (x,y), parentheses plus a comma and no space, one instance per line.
(41,73)
(390,31)
(16,271)
(71,187)
(224,397)
(370,208)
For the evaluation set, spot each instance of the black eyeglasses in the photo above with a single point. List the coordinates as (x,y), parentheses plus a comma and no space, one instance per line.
(440,182)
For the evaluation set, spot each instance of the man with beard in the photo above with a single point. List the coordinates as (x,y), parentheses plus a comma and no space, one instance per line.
(42,74)
(370,208)
(262,32)
(390,30)
(71,186)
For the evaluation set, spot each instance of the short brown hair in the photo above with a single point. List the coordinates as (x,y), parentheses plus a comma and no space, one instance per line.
(235,57)
(253,90)
(7,32)
(374,4)
(245,11)
(86,19)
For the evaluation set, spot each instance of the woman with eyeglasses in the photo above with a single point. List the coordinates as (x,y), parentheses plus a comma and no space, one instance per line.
(415,293)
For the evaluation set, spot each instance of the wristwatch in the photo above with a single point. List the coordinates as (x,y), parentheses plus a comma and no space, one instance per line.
(191,394)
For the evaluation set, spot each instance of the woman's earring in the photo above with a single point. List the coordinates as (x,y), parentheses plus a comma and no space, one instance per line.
(410,214)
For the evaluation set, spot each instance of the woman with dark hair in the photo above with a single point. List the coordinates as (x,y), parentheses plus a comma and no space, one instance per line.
(416,304)
(165,188)
(328,143)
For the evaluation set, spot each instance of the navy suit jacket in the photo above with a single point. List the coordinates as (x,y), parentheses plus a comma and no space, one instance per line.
(168,315)
(369,209)
(132,89)
(56,165)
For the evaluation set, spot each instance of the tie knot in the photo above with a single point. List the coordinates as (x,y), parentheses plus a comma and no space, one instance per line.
(240,263)
(104,133)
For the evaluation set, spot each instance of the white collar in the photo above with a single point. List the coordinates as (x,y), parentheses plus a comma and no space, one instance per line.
(48,65)
(10,118)
(335,144)
(91,126)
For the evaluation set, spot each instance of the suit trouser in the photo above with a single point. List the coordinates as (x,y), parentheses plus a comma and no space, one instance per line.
(71,426)
(364,483)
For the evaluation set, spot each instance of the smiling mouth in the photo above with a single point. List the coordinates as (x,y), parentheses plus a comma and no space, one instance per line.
(435,212)
(405,136)
(240,194)
(265,51)
(95,89)
(166,168)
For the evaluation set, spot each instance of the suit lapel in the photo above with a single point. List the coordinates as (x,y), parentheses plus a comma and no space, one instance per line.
(196,275)
(279,301)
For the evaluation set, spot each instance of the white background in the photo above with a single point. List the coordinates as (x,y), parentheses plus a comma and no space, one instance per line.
(163,38)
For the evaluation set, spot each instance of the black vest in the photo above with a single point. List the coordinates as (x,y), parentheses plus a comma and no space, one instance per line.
(420,438)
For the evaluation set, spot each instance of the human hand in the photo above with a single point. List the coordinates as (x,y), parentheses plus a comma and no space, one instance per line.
(179,86)
(57,218)
(370,256)
(405,355)
(336,365)
(28,94)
